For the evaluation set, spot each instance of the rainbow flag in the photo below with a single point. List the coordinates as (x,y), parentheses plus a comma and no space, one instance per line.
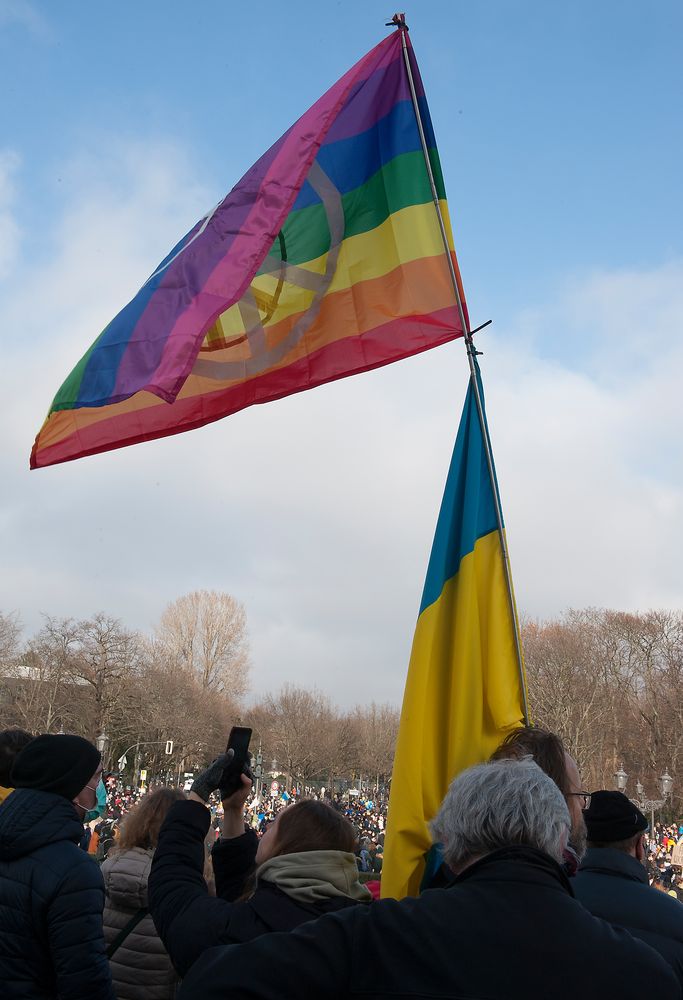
(325,260)
(463,692)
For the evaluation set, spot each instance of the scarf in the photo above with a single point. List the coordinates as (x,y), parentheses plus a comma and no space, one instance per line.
(314,876)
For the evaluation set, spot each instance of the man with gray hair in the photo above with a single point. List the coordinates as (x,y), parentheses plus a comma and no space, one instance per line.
(507,928)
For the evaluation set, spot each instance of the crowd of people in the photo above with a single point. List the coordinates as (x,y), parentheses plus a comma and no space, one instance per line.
(107,893)
(368,816)
(665,859)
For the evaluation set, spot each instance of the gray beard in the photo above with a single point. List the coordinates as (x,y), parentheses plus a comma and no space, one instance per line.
(578,838)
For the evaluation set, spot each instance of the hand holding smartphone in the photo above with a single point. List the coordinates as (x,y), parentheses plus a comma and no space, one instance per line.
(238,742)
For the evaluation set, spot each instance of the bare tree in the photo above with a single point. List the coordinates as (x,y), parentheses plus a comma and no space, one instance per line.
(561,665)
(39,684)
(10,632)
(104,657)
(295,724)
(609,683)
(205,634)
(164,703)
(376,729)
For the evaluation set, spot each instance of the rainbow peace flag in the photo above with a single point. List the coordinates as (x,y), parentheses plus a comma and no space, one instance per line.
(325,260)
(464,691)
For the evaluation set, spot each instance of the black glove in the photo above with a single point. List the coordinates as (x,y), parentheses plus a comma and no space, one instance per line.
(209,780)
(232,777)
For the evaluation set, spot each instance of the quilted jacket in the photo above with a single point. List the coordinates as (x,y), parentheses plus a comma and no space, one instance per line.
(51,900)
(141,968)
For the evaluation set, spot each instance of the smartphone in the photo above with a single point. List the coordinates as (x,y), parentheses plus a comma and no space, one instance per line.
(238,742)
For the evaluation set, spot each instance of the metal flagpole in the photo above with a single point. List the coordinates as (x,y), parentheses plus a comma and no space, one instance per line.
(400,21)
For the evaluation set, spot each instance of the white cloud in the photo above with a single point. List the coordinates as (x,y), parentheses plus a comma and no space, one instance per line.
(318,511)
(590,449)
(9,229)
(25,15)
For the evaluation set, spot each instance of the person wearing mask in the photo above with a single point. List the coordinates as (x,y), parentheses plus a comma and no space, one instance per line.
(12,742)
(612,881)
(302,867)
(51,892)
(140,966)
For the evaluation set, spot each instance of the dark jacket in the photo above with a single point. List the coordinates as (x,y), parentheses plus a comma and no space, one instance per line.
(507,929)
(51,900)
(187,918)
(614,886)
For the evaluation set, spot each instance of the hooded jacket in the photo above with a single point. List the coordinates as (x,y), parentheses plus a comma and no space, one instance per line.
(614,885)
(51,900)
(314,877)
(190,921)
(140,966)
(507,929)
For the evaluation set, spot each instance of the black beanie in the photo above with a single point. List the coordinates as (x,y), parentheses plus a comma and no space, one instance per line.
(59,764)
(611,817)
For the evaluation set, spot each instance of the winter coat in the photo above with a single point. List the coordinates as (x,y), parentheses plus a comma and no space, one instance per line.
(507,929)
(51,900)
(613,885)
(188,919)
(140,966)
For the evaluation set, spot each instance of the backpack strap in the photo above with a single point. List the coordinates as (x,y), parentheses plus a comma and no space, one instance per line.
(130,926)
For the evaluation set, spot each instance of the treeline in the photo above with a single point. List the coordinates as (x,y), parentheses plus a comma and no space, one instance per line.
(312,740)
(186,683)
(611,684)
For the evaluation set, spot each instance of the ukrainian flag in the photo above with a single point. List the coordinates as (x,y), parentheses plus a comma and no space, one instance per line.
(464,689)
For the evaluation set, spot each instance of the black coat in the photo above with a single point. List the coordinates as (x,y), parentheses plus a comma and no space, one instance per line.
(614,886)
(507,929)
(51,901)
(188,919)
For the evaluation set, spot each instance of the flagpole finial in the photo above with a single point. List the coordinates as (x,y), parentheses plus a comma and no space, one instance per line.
(399,20)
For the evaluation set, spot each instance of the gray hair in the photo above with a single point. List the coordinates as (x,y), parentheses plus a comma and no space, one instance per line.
(501,804)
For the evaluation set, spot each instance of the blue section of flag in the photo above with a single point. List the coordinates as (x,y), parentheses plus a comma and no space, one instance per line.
(467,510)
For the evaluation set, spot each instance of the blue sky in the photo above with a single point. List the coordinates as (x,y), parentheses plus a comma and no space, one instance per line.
(559,127)
(560,136)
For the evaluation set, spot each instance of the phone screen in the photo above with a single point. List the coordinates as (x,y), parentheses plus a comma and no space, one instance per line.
(239,740)
(239,744)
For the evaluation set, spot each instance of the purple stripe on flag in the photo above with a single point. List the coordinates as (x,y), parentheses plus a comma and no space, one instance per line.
(214,271)
(373,99)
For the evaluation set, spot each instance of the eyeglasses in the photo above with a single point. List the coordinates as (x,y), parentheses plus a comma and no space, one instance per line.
(586,796)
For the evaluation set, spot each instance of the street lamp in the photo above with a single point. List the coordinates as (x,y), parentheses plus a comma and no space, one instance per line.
(666,783)
(258,770)
(621,778)
(102,742)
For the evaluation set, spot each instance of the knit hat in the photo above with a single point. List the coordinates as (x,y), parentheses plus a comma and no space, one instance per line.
(59,764)
(612,817)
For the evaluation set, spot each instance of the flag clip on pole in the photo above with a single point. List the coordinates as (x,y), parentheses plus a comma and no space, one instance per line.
(399,21)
